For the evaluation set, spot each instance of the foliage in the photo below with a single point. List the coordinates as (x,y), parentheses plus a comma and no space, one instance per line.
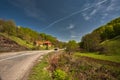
(71,46)
(77,67)
(28,35)
(53,62)
(92,41)
(110,30)
(59,75)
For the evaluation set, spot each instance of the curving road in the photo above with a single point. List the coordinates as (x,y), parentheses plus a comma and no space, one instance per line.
(14,66)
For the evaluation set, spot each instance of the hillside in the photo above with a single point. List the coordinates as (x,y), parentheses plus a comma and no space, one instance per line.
(25,36)
(9,45)
(105,39)
(112,46)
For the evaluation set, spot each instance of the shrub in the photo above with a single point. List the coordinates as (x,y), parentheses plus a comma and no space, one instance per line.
(59,75)
(53,62)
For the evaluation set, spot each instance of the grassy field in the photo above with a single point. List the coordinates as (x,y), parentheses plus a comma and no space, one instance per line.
(113,58)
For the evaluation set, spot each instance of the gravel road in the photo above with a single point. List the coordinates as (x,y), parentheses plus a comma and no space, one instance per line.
(14,66)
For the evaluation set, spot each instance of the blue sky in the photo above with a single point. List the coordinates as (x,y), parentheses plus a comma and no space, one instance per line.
(64,19)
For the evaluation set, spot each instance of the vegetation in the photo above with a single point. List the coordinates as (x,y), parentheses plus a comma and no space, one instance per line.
(113,58)
(59,75)
(112,46)
(71,46)
(90,42)
(39,71)
(102,39)
(19,41)
(26,36)
(76,67)
(99,59)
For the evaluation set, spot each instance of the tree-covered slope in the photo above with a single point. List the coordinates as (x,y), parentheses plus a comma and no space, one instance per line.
(24,35)
(103,39)
(110,30)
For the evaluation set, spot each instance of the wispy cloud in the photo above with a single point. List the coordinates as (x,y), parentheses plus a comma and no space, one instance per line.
(86,17)
(111,10)
(102,9)
(74,13)
(93,12)
(88,14)
(101,2)
(114,5)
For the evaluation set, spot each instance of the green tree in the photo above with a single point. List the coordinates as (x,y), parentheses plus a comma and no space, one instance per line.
(90,42)
(71,46)
(116,28)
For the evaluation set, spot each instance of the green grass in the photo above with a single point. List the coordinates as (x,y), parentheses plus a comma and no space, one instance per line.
(39,72)
(113,58)
(112,46)
(19,41)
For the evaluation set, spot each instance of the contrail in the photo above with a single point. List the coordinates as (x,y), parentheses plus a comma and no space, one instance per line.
(74,13)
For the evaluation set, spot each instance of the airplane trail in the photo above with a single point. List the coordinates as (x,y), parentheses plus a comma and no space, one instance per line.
(72,14)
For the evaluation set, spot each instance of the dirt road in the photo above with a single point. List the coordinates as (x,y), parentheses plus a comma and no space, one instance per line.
(13,66)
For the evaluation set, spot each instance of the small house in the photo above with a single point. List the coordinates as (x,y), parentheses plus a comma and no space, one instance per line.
(43,43)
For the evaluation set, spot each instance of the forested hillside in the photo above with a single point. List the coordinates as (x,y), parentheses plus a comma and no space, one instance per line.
(24,35)
(101,39)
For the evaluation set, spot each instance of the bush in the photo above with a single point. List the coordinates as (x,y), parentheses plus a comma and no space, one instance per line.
(53,62)
(60,75)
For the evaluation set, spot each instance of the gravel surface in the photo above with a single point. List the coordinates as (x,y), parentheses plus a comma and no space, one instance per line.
(14,66)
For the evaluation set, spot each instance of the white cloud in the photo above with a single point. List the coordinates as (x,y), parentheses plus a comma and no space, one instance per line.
(87,17)
(114,6)
(71,26)
(101,2)
(111,7)
(75,36)
(101,8)
(93,12)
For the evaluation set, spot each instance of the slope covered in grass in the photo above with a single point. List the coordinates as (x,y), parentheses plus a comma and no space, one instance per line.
(19,41)
(7,44)
(112,46)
